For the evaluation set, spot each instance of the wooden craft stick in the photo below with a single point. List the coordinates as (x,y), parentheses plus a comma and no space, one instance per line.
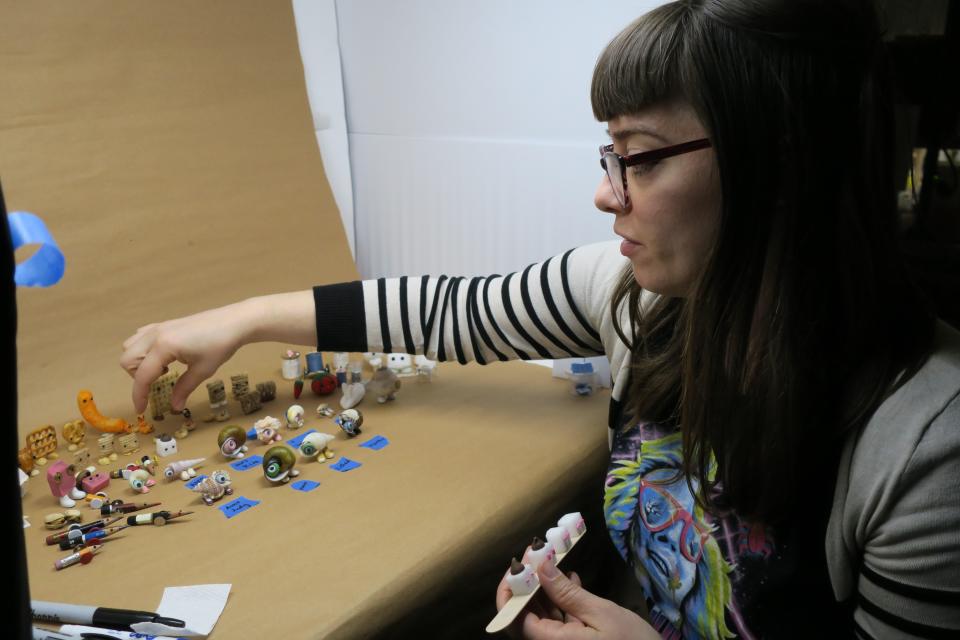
(516,603)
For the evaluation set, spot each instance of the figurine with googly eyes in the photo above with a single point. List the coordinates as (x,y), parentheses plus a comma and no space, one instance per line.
(278,463)
(349,420)
(317,445)
(140,481)
(232,441)
(268,430)
(214,487)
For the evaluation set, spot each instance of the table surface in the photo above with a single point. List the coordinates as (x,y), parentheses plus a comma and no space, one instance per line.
(478,462)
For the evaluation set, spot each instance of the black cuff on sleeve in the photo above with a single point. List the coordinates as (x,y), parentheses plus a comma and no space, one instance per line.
(341,319)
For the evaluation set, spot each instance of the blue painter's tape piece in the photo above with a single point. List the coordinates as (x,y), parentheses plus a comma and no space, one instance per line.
(245,464)
(252,434)
(238,506)
(376,443)
(45,267)
(192,483)
(305,485)
(295,442)
(345,464)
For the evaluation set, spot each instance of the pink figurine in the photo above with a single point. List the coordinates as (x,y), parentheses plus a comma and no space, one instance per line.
(62,479)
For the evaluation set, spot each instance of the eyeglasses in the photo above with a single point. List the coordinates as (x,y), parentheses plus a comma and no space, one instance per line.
(616,165)
(659,510)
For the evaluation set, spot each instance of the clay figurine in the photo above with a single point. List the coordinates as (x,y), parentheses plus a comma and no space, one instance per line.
(317,445)
(268,430)
(350,421)
(278,463)
(232,441)
(214,487)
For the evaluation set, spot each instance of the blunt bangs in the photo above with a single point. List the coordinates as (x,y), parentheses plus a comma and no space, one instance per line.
(645,64)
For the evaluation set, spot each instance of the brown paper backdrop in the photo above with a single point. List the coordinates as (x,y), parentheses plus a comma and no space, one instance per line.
(170,150)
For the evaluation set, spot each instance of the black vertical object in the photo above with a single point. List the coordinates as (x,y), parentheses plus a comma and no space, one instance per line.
(19,618)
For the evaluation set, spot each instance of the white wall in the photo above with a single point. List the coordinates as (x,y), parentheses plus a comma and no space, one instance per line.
(471,140)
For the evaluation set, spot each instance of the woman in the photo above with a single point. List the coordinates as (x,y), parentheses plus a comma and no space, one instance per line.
(785,406)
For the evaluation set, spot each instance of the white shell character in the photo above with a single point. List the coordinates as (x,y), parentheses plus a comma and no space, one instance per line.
(317,445)
(295,415)
(140,481)
(401,364)
(183,469)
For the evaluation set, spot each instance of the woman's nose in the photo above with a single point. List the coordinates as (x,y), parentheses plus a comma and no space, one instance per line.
(604,198)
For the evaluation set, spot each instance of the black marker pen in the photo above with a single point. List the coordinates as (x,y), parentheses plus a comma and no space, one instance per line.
(57,612)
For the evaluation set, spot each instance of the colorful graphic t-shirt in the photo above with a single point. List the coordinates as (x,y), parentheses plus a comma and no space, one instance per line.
(704,577)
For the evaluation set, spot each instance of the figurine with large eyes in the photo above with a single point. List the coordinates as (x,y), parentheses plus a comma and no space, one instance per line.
(278,464)
(214,487)
(232,441)
(350,421)
(317,445)
(140,481)
(295,415)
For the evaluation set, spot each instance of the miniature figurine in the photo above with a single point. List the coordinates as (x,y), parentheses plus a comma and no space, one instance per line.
(351,394)
(340,362)
(574,523)
(166,445)
(187,425)
(582,377)
(42,444)
(383,385)
(374,359)
(74,432)
(325,411)
(250,402)
(54,521)
(146,463)
(232,441)
(267,390)
(214,487)
(142,425)
(128,443)
(317,445)
(61,479)
(140,481)
(401,364)
(161,390)
(522,578)
(97,500)
(323,383)
(425,368)
(105,447)
(90,413)
(295,415)
(350,421)
(81,457)
(183,469)
(239,385)
(25,461)
(278,463)
(268,430)
(290,365)
(314,362)
(540,552)
(218,401)
(559,537)
(90,481)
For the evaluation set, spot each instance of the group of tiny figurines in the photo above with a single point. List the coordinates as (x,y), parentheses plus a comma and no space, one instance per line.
(70,483)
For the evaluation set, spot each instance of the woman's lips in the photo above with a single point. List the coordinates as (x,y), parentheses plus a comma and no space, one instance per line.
(628,247)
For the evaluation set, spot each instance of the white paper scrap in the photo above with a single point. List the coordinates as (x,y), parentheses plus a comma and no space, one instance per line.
(199,606)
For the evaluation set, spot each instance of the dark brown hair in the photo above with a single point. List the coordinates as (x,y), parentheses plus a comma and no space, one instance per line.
(802,319)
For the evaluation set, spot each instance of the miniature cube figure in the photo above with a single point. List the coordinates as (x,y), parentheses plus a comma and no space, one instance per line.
(218,401)
(250,402)
(166,445)
(105,448)
(160,392)
(239,385)
(96,482)
(74,432)
(267,390)
(81,457)
(61,479)
(128,443)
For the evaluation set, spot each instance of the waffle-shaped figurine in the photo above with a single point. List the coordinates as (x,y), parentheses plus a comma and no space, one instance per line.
(278,463)
(214,487)
(232,441)
(317,445)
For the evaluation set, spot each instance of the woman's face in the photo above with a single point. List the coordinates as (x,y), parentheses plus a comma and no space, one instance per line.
(671,218)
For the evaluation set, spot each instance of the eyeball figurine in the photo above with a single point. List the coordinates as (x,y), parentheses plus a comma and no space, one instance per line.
(232,441)
(214,487)
(295,416)
(278,463)
(140,481)
(350,421)
(317,445)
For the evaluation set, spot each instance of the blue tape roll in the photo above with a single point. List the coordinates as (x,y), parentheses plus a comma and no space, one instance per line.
(45,267)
